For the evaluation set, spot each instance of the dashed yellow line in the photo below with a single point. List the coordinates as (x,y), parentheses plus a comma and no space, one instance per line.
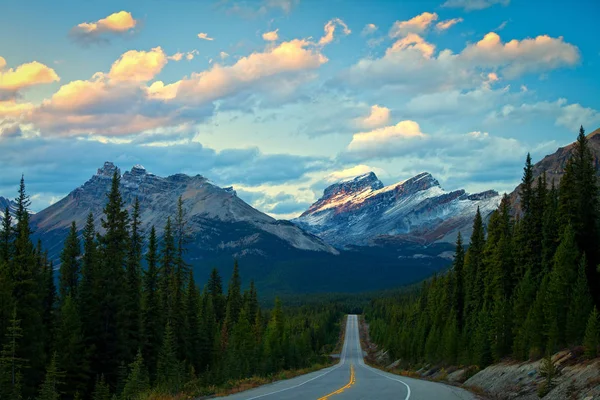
(340,390)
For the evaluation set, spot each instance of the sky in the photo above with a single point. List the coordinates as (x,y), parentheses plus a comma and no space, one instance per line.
(281,98)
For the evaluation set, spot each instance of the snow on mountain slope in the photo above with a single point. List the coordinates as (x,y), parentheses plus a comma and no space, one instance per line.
(217,217)
(357,211)
(12,206)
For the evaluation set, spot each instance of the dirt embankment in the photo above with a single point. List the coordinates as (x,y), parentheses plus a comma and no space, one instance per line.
(576,378)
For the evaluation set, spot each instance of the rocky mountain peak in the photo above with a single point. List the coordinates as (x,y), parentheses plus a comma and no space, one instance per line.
(422,181)
(353,185)
(108,170)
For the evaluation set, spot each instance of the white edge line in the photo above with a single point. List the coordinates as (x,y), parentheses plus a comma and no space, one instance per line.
(342,362)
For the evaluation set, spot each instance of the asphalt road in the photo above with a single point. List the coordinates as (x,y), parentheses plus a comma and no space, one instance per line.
(351,379)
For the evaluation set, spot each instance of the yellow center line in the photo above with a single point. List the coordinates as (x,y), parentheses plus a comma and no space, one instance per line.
(340,390)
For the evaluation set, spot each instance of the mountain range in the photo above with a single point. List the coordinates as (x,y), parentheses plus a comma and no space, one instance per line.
(360,235)
(360,210)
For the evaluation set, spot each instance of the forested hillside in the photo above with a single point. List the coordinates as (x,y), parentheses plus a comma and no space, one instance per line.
(108,328)
(527,286)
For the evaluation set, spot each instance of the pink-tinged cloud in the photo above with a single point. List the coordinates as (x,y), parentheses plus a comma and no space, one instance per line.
(416,24)
(444,25)
(138,66)
(329,29)
(472,5)
(294,56)
(271,36)
(413,64)
(117,23)
(25,75)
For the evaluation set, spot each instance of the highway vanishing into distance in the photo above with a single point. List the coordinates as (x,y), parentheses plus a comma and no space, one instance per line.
(352,379)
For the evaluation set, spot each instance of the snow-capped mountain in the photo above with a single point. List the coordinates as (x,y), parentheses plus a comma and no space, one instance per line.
(218,219)
(359,210)
(4,202)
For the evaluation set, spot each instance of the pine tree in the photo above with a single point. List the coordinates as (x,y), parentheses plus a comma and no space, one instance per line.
(215,288)
(562,279)
(592,335)
(151,317)
(579,307)
(101,390)
(526,190)
(132,307)
(137,381)
(458,268)
(168,369)
(207,331)
(27,286)
(73,355)
(192,323)
(52,381)
(6,236)
(110,341)
(69,264)
(167,270)
(474,271)
(234,298)
(11,365)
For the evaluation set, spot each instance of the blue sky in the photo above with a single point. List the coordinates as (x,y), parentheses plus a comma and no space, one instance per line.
(280,98)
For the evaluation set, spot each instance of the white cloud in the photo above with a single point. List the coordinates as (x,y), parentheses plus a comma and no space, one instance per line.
(413,64)
(372,142)
(377,117)
(271,36)
(350,172)
(139,66)
(204,36)
(471,5)
(569,116)
(330,30)
(369,29)
(117,23)
(24,76)
(444,25)
(416,24)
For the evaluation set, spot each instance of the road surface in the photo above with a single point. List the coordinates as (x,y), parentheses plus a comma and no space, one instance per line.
(351,379)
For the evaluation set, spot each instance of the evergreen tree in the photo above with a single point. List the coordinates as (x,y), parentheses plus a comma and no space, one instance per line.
(151,317)
(11,365)
(215,288)
(168,369)
(459,292)
(208,329)
(592,335)
(72,358)
(167,270)
(101,390)
(49,389)
(110,341)
(234,298)
(137,381)
(579,307)
(69,264)
(192,323)
(6,236)
(132,307)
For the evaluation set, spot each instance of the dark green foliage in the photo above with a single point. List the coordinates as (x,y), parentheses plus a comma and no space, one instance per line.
(527,284)
(121,331)
(592,335)
(52,381)
(69,264)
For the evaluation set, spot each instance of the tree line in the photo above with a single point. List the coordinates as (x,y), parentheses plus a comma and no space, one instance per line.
(125,317)
(527,286)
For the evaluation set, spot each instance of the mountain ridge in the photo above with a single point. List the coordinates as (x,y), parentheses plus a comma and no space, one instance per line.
(358,211)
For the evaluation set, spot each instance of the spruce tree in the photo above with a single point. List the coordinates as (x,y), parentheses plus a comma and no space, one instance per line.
(458,268)
(137,382)
(592,335)
(167,270)
(69,264)
(101,390)
(168,368)
(192,323)
(579,307)
(151,305)
(110,341)
(11,365)
(6,236)
(234,298)
(215,288)
(133,291)
(73,354)
(50,387)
